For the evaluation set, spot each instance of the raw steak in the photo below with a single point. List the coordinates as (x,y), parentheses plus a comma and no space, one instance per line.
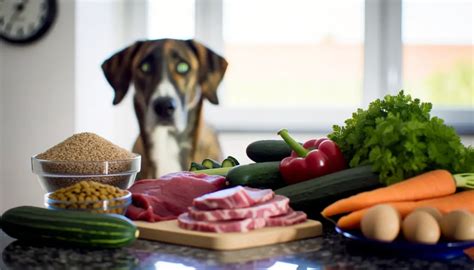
(170,195)
(277,206)
(243,225)
(236,197)
(290,218)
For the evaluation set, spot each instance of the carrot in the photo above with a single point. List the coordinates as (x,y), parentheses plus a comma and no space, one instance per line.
(428,185)
(446,204)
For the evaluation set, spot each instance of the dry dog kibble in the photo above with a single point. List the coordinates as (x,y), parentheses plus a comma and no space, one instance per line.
(89,154)
(87,195)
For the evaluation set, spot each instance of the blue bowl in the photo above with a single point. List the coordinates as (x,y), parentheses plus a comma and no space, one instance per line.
(401,247)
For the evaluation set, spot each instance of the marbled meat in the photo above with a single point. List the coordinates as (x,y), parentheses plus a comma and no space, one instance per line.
(236,197)
(277,206)
(170,195)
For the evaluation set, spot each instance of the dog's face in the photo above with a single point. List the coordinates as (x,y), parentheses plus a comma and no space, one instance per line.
(170,77)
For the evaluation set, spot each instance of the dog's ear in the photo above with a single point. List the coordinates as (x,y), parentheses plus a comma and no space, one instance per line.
(118,70)
(211,69)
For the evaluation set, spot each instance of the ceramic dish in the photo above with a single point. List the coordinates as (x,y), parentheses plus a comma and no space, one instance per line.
(401,247)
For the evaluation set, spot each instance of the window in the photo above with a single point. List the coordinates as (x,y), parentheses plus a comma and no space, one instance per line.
(307,65)
(293,54)
(438,51)
(170,19)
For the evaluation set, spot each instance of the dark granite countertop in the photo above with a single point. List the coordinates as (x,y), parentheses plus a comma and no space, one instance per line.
(330,251)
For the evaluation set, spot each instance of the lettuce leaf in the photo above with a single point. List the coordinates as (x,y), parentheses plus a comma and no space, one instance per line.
(399,138)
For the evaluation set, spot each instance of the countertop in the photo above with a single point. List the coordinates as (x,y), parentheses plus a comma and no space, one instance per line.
(330,251)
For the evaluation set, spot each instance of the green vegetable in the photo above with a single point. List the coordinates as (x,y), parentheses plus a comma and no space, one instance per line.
(71,228)
(196,167)
(210,163)
(315,194)
(230,161)
(257,175)
(268,150)
(399,139)
(216,171)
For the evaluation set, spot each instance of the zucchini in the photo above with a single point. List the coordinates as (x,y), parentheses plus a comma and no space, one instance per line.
(268,150)
(217,171)
(71,228)
(229,162)
(234,160)
(196,167)
(257,175)
(210,163)
(315,194)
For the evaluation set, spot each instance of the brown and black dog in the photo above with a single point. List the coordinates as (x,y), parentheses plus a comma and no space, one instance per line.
(171,79)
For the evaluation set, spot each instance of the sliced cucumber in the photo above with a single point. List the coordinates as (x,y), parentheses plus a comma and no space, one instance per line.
(230,162)
(210,163)
(196,167)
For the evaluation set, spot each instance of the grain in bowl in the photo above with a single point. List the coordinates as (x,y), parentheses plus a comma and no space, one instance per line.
(85,156)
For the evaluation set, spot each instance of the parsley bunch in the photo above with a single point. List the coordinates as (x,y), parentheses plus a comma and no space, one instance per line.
(399,138)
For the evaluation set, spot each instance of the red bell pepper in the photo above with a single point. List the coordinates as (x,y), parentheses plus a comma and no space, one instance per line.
(314,158)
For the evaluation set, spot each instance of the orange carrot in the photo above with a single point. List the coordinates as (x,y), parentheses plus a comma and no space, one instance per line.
(462,200)
(429,185)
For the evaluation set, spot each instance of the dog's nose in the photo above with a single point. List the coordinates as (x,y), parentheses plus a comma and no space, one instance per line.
(164,107)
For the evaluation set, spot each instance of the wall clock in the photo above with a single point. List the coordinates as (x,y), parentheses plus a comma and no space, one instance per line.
(25,21)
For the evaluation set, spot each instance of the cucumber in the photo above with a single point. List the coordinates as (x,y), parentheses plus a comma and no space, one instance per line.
(315,194)
(257,175)
(234,160)
(229,162)
(196,167)
(70,228)
(217,171)
(268,150)
(210,163)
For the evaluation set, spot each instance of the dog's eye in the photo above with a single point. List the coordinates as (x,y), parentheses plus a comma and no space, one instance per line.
(145,67)
(182,68)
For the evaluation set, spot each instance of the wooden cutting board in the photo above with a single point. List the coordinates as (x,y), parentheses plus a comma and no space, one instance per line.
(170,232)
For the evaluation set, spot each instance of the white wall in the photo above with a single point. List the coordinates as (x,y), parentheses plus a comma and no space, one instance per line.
(100,32)
(55,87)
(37,105)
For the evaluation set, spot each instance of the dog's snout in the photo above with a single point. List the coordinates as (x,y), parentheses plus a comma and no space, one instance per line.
(164,107)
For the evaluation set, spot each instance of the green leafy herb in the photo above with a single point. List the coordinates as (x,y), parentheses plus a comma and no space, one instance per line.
(399,138)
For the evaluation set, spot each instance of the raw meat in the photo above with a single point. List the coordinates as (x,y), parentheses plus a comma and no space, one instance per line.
(277,206)
(243,225)
(236,197)
(290,218)
(170,195)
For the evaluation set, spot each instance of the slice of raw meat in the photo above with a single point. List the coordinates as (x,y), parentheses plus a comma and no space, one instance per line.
(279,205)
(218,181)
(243,225)
(171,195)
(291,218)
(236,197)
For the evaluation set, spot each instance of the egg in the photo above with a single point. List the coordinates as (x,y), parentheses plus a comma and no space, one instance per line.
(432,211)
(421,227)
(458,225)
(381,222)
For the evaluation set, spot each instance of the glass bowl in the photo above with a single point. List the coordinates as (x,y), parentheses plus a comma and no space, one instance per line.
(54,175)
(109,206)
